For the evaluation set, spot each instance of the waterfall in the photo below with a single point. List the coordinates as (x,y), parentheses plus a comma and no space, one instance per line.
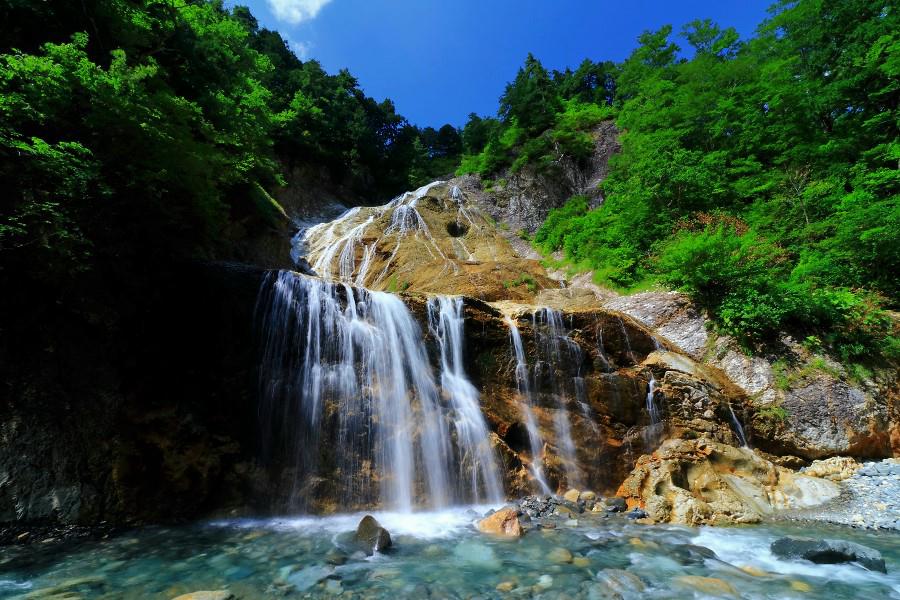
(651,433)
(352,364)
(527,403)
(475,454)
(556,351)
(333,247)
(738,428)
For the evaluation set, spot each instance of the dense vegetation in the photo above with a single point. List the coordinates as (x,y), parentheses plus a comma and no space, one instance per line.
(133,130)
(759,176)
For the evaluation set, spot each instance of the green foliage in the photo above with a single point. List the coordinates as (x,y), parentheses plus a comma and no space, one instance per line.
(773,413)
(760,176)
(523,279)
(155,130)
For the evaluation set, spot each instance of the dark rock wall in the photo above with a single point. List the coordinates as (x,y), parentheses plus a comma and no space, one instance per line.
(145,419)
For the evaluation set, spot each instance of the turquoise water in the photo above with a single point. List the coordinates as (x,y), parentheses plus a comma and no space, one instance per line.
(441,555)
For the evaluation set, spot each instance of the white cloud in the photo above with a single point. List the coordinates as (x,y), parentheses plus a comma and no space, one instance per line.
(301,49)
(296,11)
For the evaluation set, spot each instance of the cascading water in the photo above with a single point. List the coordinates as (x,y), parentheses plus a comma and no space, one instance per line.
(475,454)
(338,250)
(353,364)
(651,433)
(738,428)
(556,351)
(535,442)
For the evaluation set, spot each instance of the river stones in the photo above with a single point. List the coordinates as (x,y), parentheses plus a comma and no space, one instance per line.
(829,552)
(503,523)
(572,495)
(372,536)
(207,595)
(711,586)
(618,583)
(559,555)
(615,504)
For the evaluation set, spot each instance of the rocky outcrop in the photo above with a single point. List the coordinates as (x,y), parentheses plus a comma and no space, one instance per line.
(154,423)
(802,404)
(522,200)
(696,482)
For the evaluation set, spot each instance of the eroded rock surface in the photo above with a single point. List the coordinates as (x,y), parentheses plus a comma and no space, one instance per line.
(696,482)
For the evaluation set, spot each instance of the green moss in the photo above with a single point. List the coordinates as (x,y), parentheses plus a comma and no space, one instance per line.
(523,279)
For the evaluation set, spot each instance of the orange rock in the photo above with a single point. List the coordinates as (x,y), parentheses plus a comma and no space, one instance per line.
(504,523)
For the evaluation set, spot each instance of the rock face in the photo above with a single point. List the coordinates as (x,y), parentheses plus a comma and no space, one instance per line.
(434,240)
(829,552)
(803,405)
(696,482)
(371,536)
(503,523)
(523,199)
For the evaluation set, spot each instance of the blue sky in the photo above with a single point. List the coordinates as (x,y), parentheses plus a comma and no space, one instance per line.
(438,60)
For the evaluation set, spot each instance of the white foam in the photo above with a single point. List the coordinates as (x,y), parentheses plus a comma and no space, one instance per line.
(751,547)
(441,524)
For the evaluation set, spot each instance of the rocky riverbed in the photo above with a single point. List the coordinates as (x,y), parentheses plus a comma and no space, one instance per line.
(869,499)
(568,550)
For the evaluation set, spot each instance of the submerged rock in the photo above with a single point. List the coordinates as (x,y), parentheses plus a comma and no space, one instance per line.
(829,552)
(372,536)
(504,523)
(617,583)
(476,554)
(711,586)
(307,577)
(207,595)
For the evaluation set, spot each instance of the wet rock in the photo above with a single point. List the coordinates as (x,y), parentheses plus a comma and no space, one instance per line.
(615,504)
(636,513)
(690,554)
(829,552)
(706,585)
(572,495)
(207,595)
(559,555)
(307,577)
(544,582)
(504,523)
(371,536)
(505,586)
(587,496)
(618,583)
(476,554)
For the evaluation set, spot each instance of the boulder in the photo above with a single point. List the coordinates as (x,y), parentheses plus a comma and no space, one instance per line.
(829,552)
(587,496)
(371,536)
(503,523)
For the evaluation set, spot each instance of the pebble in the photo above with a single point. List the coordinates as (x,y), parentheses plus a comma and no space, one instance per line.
(870,499)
